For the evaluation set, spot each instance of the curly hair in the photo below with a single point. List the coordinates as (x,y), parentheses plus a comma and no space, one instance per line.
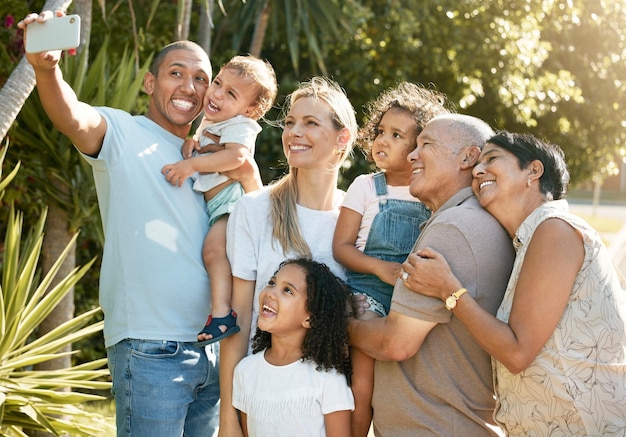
(423,104)
(326,342)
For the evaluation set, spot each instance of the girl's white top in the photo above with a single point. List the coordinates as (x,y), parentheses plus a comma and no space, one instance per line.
(290,400)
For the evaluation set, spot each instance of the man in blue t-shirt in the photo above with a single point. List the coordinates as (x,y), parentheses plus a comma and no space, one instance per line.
(153,285)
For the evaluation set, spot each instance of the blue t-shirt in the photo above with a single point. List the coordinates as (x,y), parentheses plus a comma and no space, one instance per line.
(153,284)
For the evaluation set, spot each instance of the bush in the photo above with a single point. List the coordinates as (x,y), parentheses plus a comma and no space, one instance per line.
(32,399)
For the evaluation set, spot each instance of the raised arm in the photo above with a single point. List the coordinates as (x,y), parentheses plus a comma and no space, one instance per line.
(540,296)
(346,253)
(80,122)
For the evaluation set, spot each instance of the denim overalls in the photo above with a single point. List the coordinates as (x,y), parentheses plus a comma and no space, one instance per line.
(393,233)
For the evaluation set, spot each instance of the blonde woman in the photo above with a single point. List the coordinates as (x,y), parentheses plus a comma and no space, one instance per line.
(294,216)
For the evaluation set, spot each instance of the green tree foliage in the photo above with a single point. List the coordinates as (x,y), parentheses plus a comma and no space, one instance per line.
(589,40)
(141,26)
(553,68)
(11,41)
(293,25)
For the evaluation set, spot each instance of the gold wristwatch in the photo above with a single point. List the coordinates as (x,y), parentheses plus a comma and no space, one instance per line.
(451,301)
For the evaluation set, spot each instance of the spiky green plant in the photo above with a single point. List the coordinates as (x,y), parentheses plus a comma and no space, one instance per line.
(29,398)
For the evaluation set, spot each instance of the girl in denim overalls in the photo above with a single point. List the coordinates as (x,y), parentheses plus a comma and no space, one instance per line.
(379,220)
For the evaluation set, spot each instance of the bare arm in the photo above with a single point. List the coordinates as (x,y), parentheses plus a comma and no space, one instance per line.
(244,423)
(393,338)
(346,253)
(80,122)
(337,423)
(232,350)
(248,175)
(231,157)
(539,300)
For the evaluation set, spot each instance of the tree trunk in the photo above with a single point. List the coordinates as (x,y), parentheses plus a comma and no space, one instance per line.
(57,237)
(183,19)
(84,8)
(14,93)
(20,84)
(260,29)
(206,27)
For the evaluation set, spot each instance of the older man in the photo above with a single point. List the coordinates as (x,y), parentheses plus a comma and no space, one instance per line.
(432,378)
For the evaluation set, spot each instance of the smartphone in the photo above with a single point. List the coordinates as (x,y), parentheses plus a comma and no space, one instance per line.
(58,33)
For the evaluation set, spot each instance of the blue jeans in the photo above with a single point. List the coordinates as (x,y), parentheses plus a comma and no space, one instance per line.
(165,388)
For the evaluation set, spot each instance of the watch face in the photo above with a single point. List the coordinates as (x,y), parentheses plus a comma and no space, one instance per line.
(450,303)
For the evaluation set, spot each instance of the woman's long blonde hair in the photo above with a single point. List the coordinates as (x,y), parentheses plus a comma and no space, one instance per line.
(284,192)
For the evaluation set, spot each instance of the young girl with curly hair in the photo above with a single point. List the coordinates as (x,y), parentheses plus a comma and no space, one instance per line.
(296,382)
(379,220)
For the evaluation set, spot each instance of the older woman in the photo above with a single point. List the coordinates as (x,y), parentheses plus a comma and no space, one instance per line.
(559,339)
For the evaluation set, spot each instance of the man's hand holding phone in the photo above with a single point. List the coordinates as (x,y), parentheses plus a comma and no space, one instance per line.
(47,34)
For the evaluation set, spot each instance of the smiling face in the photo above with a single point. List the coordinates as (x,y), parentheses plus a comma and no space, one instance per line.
(310,138)
(395,138)
(498,178)
(436,165)
(230,94)
(283,303)
(177,90)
